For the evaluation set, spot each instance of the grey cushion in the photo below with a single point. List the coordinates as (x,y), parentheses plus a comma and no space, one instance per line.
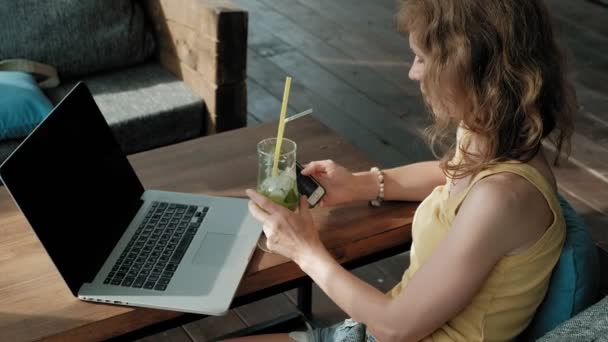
(76,36)
(146,106)
(589,325)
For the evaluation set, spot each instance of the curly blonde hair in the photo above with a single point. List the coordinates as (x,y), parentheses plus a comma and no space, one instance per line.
(505,77)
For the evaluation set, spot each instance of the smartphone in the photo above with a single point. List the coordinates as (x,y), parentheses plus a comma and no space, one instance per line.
(309,186)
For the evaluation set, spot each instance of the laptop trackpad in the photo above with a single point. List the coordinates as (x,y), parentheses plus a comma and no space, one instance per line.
(214,249)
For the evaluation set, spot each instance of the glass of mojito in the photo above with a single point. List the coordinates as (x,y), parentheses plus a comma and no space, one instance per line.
(281,188)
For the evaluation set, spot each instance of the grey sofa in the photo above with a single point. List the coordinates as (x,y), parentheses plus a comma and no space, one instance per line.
(185,80)
(589,325)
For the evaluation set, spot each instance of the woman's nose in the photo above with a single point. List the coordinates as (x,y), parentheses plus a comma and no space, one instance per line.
(415,73)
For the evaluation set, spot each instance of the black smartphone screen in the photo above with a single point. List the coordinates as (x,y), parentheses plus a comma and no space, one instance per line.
(306,185)
(309,186)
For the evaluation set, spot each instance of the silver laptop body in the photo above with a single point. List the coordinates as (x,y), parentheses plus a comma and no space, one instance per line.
(209,273)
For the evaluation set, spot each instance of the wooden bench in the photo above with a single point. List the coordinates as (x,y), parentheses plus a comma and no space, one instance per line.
(204,43)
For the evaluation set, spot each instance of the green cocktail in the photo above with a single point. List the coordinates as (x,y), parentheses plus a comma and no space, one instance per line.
(280,192)
(281,188)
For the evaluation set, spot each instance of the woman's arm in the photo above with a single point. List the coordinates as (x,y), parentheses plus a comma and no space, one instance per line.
(409,183)
(413,182)
(489,225)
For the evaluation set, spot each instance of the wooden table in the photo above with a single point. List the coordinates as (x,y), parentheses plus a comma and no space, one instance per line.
(35,303)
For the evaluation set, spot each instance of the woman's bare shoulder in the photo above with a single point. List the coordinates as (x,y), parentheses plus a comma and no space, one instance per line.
(518,204)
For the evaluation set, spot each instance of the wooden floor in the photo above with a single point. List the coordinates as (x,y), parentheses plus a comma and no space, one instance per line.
(350,65)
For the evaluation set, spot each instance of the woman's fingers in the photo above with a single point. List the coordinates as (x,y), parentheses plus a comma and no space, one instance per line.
(285,230)
(270,229)
(273,231)
(271,222)
(257,212)
(263,202)
(304,209)
(316,167)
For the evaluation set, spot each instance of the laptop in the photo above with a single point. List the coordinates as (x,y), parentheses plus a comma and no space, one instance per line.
(111,240)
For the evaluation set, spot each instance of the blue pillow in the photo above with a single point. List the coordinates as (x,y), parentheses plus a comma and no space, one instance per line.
(574,282)
(22,104)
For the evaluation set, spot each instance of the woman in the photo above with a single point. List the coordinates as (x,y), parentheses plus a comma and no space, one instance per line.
(489,229)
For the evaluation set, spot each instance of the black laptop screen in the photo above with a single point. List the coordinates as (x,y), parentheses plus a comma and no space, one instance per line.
(75,186)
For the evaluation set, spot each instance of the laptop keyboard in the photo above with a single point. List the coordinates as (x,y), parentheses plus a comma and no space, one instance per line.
(151,257)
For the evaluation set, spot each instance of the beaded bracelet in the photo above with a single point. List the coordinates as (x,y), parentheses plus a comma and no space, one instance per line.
(378,201)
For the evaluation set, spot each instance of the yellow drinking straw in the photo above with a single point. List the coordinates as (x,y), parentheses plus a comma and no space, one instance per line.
(277,149)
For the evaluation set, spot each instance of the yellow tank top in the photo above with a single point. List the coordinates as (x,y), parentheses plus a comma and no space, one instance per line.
(517,284)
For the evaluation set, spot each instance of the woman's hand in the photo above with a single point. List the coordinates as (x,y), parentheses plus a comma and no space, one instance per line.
(339,183)
(291,234)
